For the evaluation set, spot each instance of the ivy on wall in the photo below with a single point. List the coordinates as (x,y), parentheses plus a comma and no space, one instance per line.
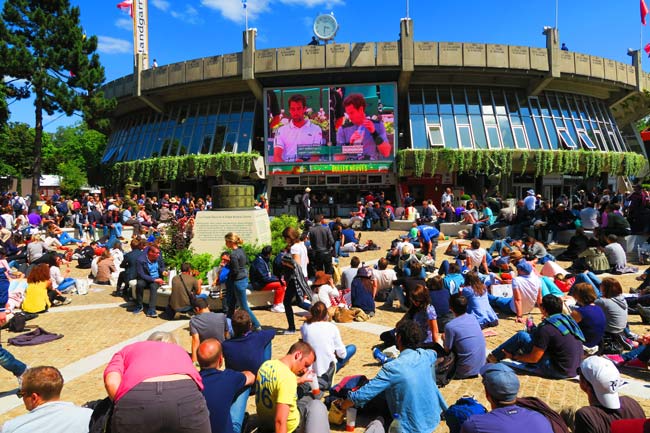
(180,167)
(419,162)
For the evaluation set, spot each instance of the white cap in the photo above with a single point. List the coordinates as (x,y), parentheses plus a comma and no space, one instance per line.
(605,379)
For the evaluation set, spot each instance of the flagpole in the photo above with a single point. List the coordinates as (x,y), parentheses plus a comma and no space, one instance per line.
(556,12)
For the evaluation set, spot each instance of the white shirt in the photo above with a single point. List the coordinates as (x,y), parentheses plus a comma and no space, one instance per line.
(476,256)
(52,417)
(299,249)
(324,293)
(589,218)
(529,286)
(446,198)
(384,278)
(9,220)
(55,276)
(325,339)
(289,137)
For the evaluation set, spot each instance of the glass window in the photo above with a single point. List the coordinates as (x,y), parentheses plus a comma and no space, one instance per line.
(219,137)
(486,102)
(436,136)
(566,138)
(465,136)
(462,119)
(586,141)
(418,132)
(230,141)
(506,133)
(541,133)
(430,102)
(416,102)
(479,132)
(552,133)
(551,100)
(531,133)
(444,96)
(459,101)
(494,142)
(449,132)
(499,102)
(473,104)
(520,137)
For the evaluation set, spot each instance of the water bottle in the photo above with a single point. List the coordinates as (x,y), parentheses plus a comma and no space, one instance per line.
(530,324)
(395,425)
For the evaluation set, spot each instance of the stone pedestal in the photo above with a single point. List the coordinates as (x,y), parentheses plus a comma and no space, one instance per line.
(210,228)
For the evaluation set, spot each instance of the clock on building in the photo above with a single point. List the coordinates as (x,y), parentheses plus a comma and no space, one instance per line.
(325,26)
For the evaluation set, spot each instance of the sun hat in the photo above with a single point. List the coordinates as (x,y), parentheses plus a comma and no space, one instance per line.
(531,192)
(604,378)
(308,189)
(500,382)
(321,278)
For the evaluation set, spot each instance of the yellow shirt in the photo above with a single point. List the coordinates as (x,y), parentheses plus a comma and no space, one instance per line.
(276,383)
(36,299)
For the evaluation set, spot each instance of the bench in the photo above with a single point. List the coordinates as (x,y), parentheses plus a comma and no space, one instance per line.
(452,229)
(127,232)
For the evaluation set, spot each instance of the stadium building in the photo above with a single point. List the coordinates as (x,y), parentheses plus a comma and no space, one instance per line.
(477,115)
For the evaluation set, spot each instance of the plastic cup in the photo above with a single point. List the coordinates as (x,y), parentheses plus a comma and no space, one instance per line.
(350,419)
(315,389)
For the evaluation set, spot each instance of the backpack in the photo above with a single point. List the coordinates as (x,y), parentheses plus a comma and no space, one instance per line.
(445,369)
(460,412)
(100,420)
(17,322)
(62,208)
(277,264)
(17,206)
(348,384)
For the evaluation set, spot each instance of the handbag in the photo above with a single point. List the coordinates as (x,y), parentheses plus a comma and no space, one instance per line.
(191,294)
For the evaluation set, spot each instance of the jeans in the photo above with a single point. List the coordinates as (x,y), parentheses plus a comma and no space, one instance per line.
(289,295)
(590,278)
(350,350)
(240,287)
(238,410)
(65,238)
(476,229)
(497,246)
(522,343)
(141,285)
(407,272)
(550,288)
(396,292)
(66,284)
(641,352)
(502,304)
(10,363)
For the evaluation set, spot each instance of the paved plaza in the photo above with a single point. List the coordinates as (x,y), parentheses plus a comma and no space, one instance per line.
(96,325)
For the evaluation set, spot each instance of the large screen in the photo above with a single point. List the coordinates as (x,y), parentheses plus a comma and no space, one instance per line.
(330,124)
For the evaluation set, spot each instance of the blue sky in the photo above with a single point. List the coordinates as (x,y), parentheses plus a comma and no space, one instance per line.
(187,29)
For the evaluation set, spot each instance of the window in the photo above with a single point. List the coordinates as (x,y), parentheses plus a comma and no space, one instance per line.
(465,137)
(586,140)
(436,137)
(520,137)
(493,137)
(566,139)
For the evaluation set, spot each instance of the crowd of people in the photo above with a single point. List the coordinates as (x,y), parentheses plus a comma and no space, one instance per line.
(449,307)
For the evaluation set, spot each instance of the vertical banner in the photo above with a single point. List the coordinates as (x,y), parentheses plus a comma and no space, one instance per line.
(141,31)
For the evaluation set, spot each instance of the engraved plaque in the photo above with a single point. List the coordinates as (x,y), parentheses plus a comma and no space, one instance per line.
(147,79)
(567,62)
(497,56)
(387,54)
(265,60)
(474,55)
(597,67)
(213,67)
(582,64)
(539,59)
(520,57)
(288,59)
(363,54)
(194,70)
(176,73)
(161,76)
(425,53)
(621,72)
(337,56)
(313,57)
(631,75)
(232,64)
(450,53)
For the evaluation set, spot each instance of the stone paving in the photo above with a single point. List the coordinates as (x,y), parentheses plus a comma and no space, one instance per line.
(95,325)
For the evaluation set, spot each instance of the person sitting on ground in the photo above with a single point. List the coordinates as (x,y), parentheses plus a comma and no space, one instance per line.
(403,286)
(526,293)
(40,390)
(278,407)
(553,349)
(463,337)
(324,289)
(614,305)
(588,316)
(476,257)
(405,259)
(600,380)
(262,278)
(577,244)
(453,280)
(439,298)
(507,416)
(348,274)
(105,268)
(407,383)
(223,389)
(635,358)
(39,295)
(59,282)
(383,275)
(536,252)
(247,349)
(478,304)
(614,223)
(325,338)
(185,289)
(206,324)
(364,290)
(617,257)
(457,246)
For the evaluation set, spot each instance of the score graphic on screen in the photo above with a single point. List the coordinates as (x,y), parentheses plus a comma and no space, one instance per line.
(331,124)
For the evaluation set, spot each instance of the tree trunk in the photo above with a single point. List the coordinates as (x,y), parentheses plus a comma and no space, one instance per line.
(38,145)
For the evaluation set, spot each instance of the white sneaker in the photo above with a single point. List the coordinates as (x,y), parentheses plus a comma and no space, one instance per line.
(277,308)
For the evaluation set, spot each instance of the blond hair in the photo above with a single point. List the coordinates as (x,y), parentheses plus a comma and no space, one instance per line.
(234,238)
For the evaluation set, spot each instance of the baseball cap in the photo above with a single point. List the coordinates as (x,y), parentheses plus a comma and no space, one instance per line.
(604,378)
(525,267)
(500,381)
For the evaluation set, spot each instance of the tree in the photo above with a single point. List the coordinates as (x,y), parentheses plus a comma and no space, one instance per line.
(43,44)
(72,177)
(80,145)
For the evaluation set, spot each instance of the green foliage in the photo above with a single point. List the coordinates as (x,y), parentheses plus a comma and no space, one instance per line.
(43,44)
(79,144)
(278,224)
(465,197)
(590,163)
(178,167)
(72,177)
(17,148)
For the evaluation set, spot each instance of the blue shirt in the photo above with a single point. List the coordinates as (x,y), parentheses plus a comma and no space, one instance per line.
(246,353)
(507,419)
(409,385)
(428,232)
(463,334)
(349,236)
(220,390)
(479,307)
(52,417)
(453,283)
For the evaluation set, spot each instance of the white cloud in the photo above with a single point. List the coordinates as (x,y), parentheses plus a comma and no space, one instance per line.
(233,10)
(124,24)
(163,5)
(313,3)
(109,45)
(189,15)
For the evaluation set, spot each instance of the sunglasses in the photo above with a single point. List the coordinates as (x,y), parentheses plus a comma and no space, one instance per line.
(21,394)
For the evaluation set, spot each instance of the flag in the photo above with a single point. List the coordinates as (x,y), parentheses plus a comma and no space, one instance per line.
(644,12)
(127,5)
(243,2)
(647,49)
